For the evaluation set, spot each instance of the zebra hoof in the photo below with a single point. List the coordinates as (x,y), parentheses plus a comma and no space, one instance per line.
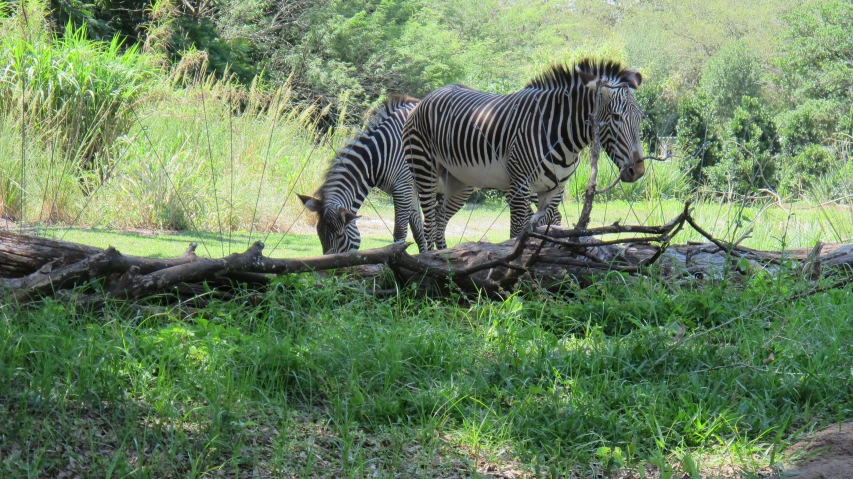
(534,221)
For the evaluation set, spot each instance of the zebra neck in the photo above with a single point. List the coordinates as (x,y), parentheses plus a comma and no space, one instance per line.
(577,133)
(347,183)
(342,198)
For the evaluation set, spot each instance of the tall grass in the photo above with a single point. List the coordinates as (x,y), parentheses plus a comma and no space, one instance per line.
(176,166)
(73,90)
(112,140)
(163,169)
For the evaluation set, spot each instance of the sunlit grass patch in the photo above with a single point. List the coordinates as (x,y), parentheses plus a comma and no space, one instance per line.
(317,380)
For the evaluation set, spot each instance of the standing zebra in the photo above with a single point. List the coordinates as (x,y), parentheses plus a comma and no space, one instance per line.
(374,158)
(523,143)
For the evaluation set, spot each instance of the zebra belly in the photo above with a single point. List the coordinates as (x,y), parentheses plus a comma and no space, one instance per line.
(545,182)
(493,175)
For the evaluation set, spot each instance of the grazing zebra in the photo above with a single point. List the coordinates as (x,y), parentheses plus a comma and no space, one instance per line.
(372,159)
(523,143)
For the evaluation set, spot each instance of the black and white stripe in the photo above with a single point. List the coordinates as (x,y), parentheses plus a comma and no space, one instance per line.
(374,158)
(525,143)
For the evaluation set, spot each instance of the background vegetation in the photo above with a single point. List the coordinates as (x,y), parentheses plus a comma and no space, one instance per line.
(752,97)
(205,116)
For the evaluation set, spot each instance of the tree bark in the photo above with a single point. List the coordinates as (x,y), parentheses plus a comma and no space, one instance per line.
(548,257)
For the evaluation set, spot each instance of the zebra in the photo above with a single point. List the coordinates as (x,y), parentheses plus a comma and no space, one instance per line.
(523,143)
(374,158)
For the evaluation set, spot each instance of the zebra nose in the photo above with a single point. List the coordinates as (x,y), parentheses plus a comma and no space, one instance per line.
(633,173)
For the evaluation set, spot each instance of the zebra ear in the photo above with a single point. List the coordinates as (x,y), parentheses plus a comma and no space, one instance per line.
(347,216)
(633,78)
(588,79)
(311,204)
(591,81)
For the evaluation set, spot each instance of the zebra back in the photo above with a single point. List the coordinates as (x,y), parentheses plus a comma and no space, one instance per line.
(372,158)
(524,143)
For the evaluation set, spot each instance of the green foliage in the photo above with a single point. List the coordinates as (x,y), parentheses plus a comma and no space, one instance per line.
(342,55)
(818,74)
(78,92)
(817,48)
(660,113)
(732,73)
(699,146)
(811,122)
(223,56)
(750,150)
(802,171)
(95,18)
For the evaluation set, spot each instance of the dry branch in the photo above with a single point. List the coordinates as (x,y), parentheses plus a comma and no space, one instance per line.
(548,256)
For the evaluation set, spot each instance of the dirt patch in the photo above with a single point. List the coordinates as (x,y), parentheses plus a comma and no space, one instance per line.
(827,455)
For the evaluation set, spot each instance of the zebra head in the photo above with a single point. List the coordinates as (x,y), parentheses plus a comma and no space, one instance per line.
(619,117)
(335,226)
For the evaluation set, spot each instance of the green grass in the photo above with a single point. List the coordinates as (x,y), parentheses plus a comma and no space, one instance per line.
(773,228)
(318,380)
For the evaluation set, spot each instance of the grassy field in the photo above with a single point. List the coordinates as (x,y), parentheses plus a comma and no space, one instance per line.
(772,227)
(318,380)
(632,377)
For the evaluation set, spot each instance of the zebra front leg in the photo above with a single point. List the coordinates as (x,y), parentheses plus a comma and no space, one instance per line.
(520,213)
(546,201)
(406,209)
(552,211)
(404,203)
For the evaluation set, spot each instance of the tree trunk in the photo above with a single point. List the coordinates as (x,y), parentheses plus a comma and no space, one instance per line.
(31,266)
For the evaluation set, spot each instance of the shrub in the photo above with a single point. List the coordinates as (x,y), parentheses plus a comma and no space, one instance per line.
(750,151)
(810,123)
(732,73)
(78,91)
(660,114)
(803,170)
(697,140)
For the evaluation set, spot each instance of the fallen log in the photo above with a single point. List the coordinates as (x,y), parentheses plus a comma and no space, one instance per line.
(548,257)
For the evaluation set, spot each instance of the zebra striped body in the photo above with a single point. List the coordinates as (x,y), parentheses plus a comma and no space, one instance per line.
(374,158)
(525,143)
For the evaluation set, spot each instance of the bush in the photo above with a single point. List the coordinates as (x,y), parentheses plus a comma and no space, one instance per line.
(803,170)
(732,73)
(78,91)
(812,122)
(750,152)
(660,114)
(697,140)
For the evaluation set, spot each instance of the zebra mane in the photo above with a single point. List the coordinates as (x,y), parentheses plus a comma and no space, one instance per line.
(376,117)
(562,75)
(379,114)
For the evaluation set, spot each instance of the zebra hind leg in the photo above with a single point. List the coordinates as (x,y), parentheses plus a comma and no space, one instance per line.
(456,194)
(426,182)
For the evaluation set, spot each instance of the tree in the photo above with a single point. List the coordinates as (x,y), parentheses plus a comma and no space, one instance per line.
(817,59)
(750,151)
(731,74)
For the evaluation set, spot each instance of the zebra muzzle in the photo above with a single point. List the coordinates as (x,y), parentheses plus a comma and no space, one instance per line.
(633,172)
